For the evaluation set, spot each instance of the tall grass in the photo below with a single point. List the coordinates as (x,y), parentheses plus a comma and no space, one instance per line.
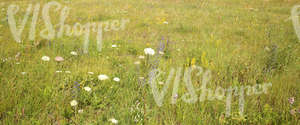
(241,42)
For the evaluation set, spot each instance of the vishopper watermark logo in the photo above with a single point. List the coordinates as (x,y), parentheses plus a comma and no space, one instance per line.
(206,93)
(295,12)
(50,33)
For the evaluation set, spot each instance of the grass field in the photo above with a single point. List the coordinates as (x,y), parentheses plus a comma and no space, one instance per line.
(242,42)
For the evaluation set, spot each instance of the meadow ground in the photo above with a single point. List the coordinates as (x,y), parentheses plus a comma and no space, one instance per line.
(242,42)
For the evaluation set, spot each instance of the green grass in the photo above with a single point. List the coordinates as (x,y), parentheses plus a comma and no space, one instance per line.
(233,34)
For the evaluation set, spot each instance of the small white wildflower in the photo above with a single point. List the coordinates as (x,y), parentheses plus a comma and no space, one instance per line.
(113,46)
(102,77)
(165,22)
(23,73)
(137,62)
(149,51)
(113,120)
(58,71)
(87,89)
(17,63)
(116,79)
(4,60)
(142,57)
(73,103)
(161,83)
(68,72)
(267,49)
(46,58)
(80,111)
(161,53)
(74,53)
(91,73)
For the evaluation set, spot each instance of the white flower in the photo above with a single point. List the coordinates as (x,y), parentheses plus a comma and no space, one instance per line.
(160,83)
(113,120)
(74,53)
(161,52)
(87,89)
(113,46)
(4,60)
(80,111)
(73,103)
(137,62)
(149,51)
(102,77)
(116,79)
(67,71)
(23,73)
(58,71)
(17,63)
(142,57)
(46,58)
(165,22)
(91,73)
(267,49)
